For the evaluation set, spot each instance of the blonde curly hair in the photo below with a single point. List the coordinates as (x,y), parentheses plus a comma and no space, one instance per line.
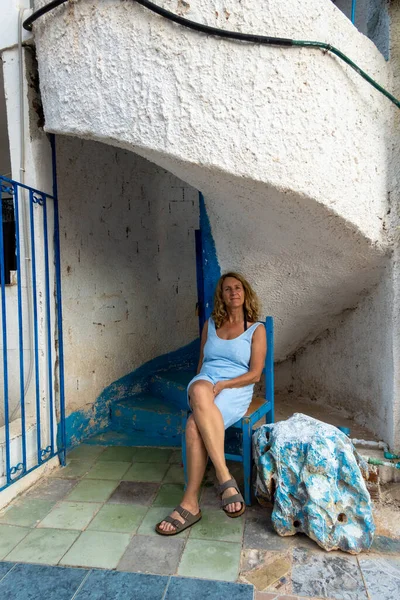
(251,305)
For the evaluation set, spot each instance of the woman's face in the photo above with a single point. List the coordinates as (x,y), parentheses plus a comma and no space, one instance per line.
(232,292)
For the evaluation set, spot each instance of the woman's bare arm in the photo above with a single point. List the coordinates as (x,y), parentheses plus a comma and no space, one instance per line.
(202,343)
(257,361)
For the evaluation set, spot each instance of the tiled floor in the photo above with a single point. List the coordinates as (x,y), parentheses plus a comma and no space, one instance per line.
(39,582)
(100,510)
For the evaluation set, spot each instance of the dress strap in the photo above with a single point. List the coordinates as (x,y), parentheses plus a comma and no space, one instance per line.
(253,327)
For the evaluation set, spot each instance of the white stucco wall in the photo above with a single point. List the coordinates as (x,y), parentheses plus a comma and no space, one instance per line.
(351,365)
(356,363)
(394,187)
(292,118)
(289,146)
(128,264)
(5,163)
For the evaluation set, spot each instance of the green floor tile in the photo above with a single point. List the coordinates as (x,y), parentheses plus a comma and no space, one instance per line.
(154,516)
(26,512)
(73,469)
(112,470)
(170,495)
(174,475)
(45,546)
(92,490)
(157,455)
(176,457)
(52,489)
(119,518)
(10,536)
(215,525)
(210,560)
(97,549)
(86,452)
(119,453)
(71,515)
(146,472)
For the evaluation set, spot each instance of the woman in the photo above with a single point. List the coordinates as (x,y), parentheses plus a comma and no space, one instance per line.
(232,356)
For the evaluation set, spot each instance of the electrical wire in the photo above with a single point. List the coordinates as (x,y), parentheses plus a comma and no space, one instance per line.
(235,35)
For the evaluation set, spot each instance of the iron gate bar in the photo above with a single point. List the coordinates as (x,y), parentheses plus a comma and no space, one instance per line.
(48,317)
(20,330)
(39,198)
(4,331)
(32,201)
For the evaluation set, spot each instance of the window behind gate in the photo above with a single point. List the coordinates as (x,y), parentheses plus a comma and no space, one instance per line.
(10,259)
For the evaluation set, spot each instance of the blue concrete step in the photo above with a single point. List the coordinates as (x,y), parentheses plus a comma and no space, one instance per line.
(112,437)
(147,414)
(172,386)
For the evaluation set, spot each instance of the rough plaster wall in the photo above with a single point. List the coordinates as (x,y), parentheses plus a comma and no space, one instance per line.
(293,132)
(128,264)
(292,118)
(303,266)
(351,365)
(356,364)
(394,187)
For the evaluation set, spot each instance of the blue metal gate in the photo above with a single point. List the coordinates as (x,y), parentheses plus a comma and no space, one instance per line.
(32,408)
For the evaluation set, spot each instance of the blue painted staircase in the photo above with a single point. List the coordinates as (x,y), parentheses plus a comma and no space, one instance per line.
(151,417)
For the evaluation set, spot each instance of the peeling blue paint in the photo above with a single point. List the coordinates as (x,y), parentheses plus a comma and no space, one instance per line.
(85,423)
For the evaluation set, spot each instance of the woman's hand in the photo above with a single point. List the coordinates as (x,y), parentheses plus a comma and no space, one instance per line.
(218,387)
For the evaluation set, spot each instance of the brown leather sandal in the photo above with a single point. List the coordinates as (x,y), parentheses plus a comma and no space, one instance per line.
(231,499)
(190,519)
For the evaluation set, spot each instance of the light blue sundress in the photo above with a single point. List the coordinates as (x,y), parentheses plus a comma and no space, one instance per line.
(226,359)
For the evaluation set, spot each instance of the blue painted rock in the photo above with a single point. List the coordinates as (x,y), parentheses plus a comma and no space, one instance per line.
(314,476)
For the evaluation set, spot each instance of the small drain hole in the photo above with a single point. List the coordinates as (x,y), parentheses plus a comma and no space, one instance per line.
(296,524)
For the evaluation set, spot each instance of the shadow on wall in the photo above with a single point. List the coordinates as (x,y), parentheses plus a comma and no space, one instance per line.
(371,19)
(129,276)
(128,264)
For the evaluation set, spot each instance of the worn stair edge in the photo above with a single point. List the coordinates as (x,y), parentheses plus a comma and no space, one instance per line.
(171,386)
(148,415)
(112,437)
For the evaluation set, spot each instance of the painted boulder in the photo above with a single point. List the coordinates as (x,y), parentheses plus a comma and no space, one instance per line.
(314,476)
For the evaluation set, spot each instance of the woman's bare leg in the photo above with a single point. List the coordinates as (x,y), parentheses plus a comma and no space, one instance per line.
(212,429)
(205,435)
(196,463)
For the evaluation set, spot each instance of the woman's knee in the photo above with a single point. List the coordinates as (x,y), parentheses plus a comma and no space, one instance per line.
(192,431)
(200,394)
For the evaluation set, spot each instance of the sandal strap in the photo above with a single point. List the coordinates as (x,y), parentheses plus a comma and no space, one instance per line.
(177,524)
(232,499)
(186,514)
(189,517)
(231,483)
